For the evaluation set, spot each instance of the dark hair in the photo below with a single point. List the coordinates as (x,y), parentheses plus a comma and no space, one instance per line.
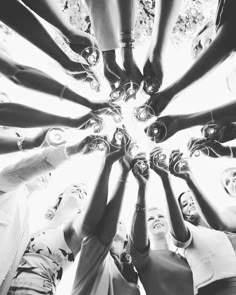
(179,199)
(191,220)
(125,267)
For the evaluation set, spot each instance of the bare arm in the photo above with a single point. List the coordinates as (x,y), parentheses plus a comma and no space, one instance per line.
(139,234)
(207,207)
(50,11)
(98,201)
(107,227)
(18,115)
(224,114)
(23,21)
(178,227)
(214,217)
(166,12)
(221,47)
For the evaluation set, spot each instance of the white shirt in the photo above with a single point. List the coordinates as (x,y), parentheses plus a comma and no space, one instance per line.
(210,255)
(14,229)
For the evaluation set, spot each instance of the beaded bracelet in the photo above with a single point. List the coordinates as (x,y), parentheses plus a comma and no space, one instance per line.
(127,39)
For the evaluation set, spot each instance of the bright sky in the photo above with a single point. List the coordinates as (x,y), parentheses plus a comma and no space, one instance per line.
(211,92)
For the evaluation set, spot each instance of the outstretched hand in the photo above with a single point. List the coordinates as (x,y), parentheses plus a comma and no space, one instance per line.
(165,127)
(90,143)
(93,118)
(153,76)
(105,108)
(179,167)
(211,148)
(115,154)
(223,133)
(140,169)
(126,162)
(158,162)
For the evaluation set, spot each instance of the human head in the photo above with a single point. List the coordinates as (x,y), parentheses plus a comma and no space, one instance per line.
(120,239)
(72,201)
(188,207)
(158,227)
(203,39)
(228,180)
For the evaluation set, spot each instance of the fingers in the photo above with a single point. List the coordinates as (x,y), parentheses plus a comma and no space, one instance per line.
(175,157)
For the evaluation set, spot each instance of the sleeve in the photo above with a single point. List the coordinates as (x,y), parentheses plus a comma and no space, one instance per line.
(186,244)
(139,259)
(26,169)
(90,265)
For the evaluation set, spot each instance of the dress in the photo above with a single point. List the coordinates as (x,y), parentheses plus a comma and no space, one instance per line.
(42,264)
(226,12)
(14,208)
(97,273)
(211,257)
(105,22)
(162,272)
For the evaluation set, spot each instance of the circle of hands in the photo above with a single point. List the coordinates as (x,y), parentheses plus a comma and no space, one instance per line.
(125,87)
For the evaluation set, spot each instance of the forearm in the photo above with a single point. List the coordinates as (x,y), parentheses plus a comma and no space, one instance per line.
(108,225)
(139,225)
(177,224)
(40,81)
(127,13)
(98,201)
(11,144)
(166,13)
(23,21)
(207,207)
(224,114)
(222,46)
(50,11)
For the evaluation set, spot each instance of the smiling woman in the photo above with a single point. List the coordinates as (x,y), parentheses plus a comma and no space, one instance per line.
(158,267)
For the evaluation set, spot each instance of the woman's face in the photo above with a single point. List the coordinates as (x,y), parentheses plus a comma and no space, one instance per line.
(157,223)
(229,182)
(188,207)
(72,201)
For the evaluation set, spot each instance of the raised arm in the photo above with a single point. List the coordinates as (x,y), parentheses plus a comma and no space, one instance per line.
(139,233)
(107,227)
(166,12)
(221,47)
(212,214)
(18,115)
(50,11)
(40,81)
(10,144)
(82,227)
(224,114)
(18,17)
(178,227)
